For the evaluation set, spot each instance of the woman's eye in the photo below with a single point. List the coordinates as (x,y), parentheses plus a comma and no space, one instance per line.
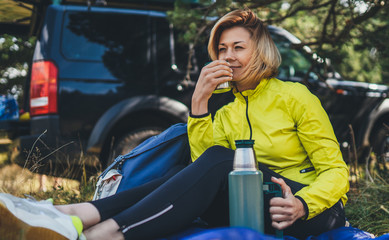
(238,47)
(222,49)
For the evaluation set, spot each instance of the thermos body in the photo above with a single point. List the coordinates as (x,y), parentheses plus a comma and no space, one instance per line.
(245,185)
(246,199)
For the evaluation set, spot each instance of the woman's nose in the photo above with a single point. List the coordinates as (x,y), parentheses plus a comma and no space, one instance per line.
(230,56)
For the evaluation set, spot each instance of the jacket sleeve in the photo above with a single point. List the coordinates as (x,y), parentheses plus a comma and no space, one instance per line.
(317,136)
(200,134)
(203,134)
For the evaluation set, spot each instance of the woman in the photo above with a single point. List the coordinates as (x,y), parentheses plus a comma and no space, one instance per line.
(294,143)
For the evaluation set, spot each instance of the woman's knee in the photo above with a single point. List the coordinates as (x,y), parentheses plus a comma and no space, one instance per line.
(217,154)
(220,151)
(214,158)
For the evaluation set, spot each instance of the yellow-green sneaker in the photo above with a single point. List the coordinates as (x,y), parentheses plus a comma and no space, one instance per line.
(32,220)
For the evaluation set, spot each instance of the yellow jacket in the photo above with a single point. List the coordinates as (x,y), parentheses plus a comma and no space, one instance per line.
(293,137)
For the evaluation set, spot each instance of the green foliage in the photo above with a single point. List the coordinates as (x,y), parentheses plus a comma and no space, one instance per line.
(15,57)
(11,11)
(350,33)
(372,39)
(194,21)
(360,65)
(365,64)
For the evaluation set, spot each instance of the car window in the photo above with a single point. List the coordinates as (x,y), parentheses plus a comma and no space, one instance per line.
(75,45)
(169,45)
(294,64)
(120,41)
(165,47)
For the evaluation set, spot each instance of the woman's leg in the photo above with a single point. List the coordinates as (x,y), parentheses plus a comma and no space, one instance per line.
(91,213)
(201,189)
(175,204)
(87,212)
(108,229)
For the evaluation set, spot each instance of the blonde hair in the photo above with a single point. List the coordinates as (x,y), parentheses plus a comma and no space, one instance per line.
(266,58)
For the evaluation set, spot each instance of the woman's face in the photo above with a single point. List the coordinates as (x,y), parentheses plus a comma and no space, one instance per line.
(235,46)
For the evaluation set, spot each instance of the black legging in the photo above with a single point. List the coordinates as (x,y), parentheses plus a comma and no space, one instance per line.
(171,203)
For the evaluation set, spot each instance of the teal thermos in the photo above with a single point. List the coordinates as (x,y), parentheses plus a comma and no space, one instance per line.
(245,184)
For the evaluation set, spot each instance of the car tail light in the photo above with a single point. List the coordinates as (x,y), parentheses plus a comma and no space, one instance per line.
(43,89)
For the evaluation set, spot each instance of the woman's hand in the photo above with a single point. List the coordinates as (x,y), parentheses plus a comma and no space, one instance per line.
(211,75)
(285,211)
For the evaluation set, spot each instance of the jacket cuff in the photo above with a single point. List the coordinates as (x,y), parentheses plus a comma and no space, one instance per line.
(198,116)
(305,207)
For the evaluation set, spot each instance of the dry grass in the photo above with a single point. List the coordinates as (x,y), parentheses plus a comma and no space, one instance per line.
(368,206)
(21,181)
(18,181)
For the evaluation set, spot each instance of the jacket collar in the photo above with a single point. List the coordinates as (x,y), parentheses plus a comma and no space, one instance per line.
(252,93)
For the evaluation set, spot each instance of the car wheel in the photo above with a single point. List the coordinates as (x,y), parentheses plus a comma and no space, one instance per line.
(129,141)
(380,143)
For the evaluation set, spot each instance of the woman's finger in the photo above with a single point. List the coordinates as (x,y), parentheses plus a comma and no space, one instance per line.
(286,191)
(280,210)
(281,225)
(280,217)
(216,63)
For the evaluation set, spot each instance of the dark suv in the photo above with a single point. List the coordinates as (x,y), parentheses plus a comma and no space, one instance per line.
(104,79)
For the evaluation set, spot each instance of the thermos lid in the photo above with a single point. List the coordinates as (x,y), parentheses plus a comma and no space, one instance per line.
(244,143)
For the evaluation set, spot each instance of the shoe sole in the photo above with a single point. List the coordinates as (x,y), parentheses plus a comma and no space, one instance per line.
(12,228)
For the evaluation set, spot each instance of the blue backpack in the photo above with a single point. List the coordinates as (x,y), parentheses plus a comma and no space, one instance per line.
(149,160)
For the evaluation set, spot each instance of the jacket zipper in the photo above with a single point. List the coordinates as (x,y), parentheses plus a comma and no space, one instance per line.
(246,99)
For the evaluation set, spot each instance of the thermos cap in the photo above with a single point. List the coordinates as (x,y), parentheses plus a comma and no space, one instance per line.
(244,143)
